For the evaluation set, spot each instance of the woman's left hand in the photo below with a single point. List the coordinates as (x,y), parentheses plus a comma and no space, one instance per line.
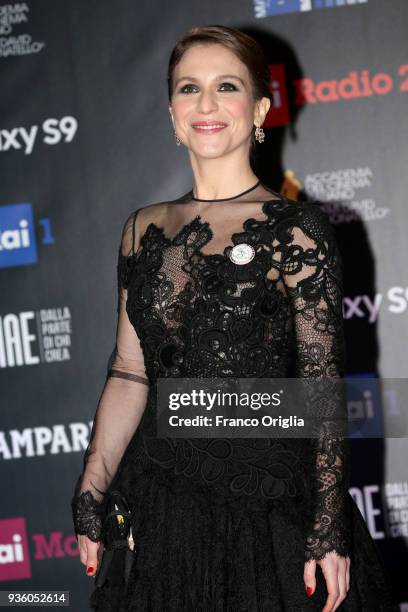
(336,571)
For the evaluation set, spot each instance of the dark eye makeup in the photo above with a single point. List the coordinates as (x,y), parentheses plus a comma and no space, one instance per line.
(230,87)
(233,87)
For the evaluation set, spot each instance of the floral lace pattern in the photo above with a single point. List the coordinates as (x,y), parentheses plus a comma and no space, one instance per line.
(88,516)
(201,315)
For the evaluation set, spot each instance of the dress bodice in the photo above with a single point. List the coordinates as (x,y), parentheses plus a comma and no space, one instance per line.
(197,311)
(248,286)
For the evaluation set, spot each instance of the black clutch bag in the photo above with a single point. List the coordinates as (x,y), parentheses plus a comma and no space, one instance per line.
(119,549)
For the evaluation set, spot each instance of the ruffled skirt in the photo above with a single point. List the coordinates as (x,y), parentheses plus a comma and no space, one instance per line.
(196,552)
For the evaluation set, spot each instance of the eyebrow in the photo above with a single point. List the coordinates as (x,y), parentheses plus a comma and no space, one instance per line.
(218,78)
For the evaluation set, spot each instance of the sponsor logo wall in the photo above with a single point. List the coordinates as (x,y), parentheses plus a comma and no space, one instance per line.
(85,139)
(265,8)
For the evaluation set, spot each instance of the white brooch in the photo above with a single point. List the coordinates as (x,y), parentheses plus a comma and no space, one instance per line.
(242,253)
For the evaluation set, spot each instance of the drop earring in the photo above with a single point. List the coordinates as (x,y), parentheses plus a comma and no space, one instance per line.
(259,134)
(177,139)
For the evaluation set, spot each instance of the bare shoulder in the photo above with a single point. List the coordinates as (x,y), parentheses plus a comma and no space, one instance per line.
(156,212)
(151,213)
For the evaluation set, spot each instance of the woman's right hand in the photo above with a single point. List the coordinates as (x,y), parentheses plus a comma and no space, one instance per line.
(336,571)
(90,554)
(88,514)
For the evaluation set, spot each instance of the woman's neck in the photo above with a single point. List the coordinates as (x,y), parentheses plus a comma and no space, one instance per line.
(220,178)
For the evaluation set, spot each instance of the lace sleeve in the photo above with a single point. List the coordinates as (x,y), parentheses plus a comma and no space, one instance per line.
(120,407)
(312,275)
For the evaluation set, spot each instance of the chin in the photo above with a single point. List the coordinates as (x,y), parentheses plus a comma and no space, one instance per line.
(209,153)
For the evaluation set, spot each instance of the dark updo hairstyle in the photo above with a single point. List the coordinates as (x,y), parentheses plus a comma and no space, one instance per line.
(243,46)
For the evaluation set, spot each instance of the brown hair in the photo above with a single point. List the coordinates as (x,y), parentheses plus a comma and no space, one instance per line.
(245,48)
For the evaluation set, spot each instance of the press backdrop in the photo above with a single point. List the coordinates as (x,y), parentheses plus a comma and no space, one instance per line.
(86,138)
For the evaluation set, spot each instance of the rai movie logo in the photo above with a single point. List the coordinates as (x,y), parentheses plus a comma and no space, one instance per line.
(14,551)
(267,8)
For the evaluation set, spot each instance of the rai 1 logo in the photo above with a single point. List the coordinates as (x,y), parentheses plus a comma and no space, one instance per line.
(14,551)
(278,113)
(17,235)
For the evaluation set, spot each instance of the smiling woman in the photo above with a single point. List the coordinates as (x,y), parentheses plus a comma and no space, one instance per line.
(206,100)
(229,280)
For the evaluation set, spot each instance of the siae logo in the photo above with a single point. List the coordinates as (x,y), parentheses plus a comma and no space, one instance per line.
(17,236)
(266,8)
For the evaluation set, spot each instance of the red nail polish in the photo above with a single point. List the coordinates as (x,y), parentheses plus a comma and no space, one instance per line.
(309,591)
(89,569)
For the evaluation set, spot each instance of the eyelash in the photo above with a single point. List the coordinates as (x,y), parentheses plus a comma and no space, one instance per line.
(181,90)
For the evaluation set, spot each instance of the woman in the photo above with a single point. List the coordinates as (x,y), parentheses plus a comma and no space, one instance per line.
(223,282)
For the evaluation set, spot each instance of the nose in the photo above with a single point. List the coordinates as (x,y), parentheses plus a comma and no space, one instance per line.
(206,102)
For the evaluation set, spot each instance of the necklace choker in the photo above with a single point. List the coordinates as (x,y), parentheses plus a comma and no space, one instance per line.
(225,199)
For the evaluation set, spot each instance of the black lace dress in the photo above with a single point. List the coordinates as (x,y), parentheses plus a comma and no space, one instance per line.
(227,524)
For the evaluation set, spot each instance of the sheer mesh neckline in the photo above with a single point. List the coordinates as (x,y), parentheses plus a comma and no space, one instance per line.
(238,195)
